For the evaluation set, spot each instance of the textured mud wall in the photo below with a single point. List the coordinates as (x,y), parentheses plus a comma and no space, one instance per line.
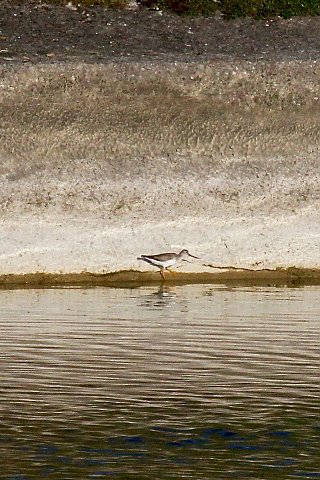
(99,164)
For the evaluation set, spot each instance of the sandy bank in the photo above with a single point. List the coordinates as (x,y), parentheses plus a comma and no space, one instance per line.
(100,163)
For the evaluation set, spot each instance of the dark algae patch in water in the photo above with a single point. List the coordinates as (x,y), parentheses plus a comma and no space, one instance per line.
(291,276)
(177,450)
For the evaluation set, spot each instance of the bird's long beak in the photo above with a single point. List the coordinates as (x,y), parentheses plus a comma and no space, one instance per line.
(193,256)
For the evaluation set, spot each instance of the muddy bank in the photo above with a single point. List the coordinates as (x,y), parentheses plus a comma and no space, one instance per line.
(40,33)
(292,277)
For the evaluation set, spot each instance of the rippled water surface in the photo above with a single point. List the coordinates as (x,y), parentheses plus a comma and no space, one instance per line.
(196,382)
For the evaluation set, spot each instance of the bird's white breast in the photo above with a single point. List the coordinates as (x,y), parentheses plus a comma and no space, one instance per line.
(164,264)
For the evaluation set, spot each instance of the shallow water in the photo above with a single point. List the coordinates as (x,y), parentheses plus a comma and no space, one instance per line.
(196,382)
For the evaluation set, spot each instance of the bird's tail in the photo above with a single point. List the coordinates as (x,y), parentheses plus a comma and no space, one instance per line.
(145,259)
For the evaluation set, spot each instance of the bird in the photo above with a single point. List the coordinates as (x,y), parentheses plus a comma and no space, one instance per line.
(166,260)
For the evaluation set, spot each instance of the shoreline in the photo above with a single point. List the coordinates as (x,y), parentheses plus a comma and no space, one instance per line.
(290,277)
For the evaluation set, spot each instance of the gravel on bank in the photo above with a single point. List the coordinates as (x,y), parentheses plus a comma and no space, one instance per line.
(39,32)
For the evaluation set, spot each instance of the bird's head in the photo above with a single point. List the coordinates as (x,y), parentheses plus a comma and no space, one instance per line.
(185,254)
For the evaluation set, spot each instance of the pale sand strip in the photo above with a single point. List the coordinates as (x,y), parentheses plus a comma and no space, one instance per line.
(102,163)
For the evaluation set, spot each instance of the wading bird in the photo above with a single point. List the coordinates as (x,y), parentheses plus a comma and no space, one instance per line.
(166,260)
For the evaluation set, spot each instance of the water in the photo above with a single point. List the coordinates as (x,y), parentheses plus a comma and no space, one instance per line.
(196,382)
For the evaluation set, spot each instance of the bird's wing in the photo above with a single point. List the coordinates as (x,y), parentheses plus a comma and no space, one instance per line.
(160,256)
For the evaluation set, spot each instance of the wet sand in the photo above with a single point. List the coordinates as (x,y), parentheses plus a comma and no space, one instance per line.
(291,277)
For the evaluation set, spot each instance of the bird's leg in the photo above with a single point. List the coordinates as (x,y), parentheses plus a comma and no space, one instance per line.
(162,274)
(171,271)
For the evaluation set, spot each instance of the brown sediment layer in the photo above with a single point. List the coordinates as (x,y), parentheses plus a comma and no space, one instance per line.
(130,279)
